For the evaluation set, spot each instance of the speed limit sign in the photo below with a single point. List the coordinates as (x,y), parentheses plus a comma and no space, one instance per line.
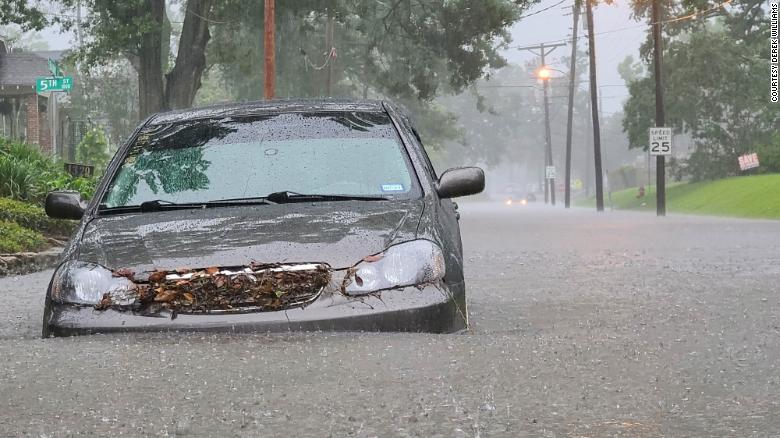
(660,141)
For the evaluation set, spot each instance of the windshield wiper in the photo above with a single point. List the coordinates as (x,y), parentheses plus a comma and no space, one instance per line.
(287,197)
(273,198)
(162,204)
(257,200)
(150,206)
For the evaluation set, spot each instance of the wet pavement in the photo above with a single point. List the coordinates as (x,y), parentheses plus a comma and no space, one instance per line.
(582,325)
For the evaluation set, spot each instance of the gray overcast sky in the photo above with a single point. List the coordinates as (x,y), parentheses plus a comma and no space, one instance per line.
(550,25)
(611,48)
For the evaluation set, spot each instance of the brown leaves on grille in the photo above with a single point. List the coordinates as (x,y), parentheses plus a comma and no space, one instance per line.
(105,302)
(208,290)
(157,276)
(127,273)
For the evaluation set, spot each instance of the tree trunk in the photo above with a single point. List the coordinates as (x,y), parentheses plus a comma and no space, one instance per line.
(184,80)
(150,76)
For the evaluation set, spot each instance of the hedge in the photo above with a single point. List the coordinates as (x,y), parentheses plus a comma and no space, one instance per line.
(15,238)
(33,217)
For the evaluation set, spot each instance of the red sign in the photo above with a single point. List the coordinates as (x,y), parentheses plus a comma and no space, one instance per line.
(748,161)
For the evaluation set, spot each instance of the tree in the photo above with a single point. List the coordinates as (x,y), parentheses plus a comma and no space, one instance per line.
(403,48)
(400,48)
(106,95)
(139,30)
(93,149)
(19,12)
(714,83)
(15,38)
(408,50)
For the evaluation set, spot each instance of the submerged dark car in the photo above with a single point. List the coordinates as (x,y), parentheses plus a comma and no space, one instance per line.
(272,216)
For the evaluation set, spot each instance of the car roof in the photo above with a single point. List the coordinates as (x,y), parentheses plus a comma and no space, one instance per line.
(266,107)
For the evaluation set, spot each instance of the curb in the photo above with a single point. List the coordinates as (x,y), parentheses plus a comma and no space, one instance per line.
(28,262)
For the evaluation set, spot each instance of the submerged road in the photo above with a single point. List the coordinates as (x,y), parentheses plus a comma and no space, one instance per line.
(582,325)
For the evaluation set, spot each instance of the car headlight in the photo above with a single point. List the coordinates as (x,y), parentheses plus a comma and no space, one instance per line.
(407,264)
(85,283)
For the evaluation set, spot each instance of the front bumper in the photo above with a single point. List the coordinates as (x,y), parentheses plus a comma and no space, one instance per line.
(432,309)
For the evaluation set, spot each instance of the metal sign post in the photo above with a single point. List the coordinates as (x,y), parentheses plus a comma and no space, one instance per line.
(51,86)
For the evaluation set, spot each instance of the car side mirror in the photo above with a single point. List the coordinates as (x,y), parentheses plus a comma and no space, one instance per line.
(65,205)
(462,181)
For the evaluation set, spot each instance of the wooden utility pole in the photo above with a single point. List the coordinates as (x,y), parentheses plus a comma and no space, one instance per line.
(570,116)
(544,50)
(329,48)
(269,43)
(547,137)
(594,108)
(660,117)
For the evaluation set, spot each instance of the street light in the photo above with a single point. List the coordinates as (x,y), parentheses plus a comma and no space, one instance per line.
(544,73)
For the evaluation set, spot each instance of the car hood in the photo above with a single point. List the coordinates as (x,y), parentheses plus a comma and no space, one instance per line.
(337,233)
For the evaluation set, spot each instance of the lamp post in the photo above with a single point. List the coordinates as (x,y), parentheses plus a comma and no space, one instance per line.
(544,73)
(544,50)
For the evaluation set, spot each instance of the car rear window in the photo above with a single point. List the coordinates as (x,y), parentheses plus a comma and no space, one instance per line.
(345,153)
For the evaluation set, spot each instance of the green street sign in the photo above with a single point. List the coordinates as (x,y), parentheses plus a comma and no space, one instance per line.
(54,68)
(44,85)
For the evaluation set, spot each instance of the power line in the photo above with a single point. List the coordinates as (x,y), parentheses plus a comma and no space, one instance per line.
(693,15)
(541,10)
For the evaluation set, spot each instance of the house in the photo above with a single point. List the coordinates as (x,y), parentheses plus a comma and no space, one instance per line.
(24,114)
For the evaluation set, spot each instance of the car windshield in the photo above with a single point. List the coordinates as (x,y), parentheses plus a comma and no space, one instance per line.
(343,153)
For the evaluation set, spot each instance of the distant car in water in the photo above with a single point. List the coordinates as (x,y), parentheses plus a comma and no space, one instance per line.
(515,196)
(272,216)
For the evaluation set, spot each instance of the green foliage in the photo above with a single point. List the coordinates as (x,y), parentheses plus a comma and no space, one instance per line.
(163,171)
(33,217)
(115,28)
(109,93)
(410,52)
(630,70)
(23,171)
(27,175)
(19,179)
(769,155)
(743,196)
(402,50)
(503,123)
(15,38)
(15,238)
(714,88)
(19,12)
(93,149)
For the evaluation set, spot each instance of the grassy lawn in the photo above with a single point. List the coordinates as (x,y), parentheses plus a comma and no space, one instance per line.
(756,196)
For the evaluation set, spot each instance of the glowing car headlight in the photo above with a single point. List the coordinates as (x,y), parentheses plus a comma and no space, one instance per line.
(407,264)
(85,283)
